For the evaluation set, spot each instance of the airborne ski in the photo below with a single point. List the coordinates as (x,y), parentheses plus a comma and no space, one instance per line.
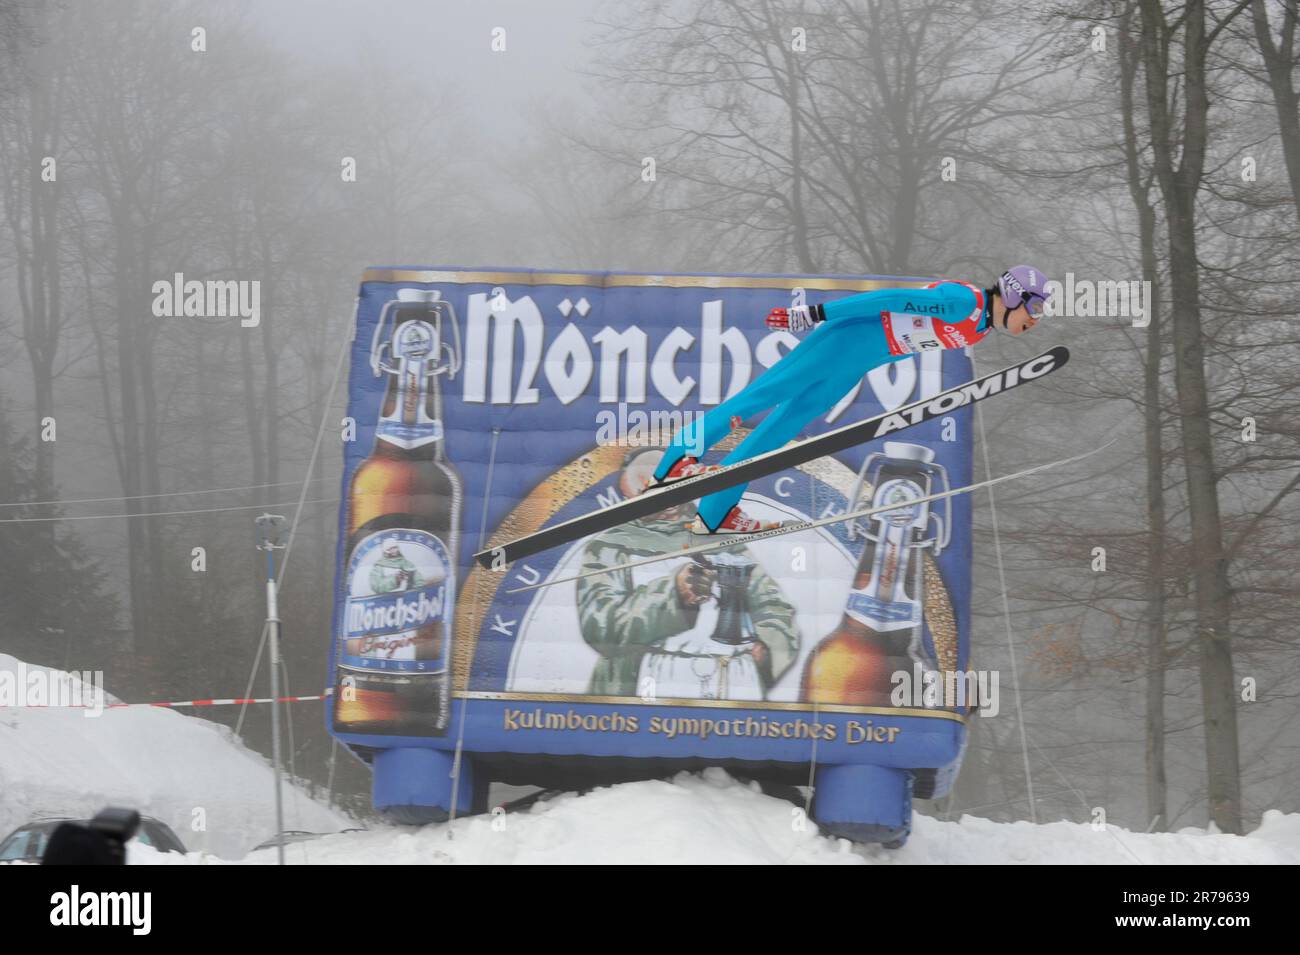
(799,452)
(733,540)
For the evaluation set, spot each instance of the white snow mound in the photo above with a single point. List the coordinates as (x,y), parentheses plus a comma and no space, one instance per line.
(186,771)
(712,818)
(57,761)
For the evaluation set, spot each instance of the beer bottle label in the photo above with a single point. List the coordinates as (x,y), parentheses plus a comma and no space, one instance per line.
(409,436)
(882,615)
(884,604)
(400,583)
(409,424)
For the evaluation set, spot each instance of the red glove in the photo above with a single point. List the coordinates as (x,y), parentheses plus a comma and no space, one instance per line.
(795,319)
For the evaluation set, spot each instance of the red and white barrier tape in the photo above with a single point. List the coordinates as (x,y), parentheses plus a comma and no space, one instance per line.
(236,702)
(266,699)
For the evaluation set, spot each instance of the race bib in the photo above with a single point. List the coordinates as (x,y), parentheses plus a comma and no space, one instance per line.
(908,334)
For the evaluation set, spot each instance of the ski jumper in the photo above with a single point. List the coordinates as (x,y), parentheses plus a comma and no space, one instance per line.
(855,335)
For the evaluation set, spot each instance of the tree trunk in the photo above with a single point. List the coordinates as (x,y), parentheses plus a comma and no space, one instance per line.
(1157,786)
(1279,61)
(1179,185)
(132,454)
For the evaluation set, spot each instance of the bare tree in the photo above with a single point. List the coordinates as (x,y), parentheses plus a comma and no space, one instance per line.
(30,145)
(1179,139)
(1139,185)
(1281,54)
(820,134)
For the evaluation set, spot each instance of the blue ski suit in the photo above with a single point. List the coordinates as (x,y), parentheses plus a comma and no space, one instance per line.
(855,335)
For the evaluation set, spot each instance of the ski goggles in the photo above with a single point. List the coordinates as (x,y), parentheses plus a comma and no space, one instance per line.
(1035,304)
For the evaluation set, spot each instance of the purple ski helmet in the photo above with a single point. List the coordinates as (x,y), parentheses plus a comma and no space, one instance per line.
(1024,285)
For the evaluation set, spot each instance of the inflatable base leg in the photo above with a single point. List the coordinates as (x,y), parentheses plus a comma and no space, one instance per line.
(413,786)
(864,803)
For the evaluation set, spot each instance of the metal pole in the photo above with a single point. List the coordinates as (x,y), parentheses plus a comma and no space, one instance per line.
(269,525)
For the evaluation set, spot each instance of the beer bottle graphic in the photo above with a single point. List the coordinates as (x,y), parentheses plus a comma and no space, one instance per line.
(880,631)
(403,535)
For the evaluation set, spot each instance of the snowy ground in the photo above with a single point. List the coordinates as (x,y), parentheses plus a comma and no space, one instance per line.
(193,774)
(713,819)
(176,767)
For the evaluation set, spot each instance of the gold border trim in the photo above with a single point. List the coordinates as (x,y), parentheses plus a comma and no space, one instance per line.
(632,280)
(812,708)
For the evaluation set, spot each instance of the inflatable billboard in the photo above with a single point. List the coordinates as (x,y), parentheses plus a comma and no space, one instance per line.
(486,403)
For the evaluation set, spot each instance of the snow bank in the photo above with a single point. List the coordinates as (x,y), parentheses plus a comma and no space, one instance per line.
(177,768)
(713,819)
(56,761)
